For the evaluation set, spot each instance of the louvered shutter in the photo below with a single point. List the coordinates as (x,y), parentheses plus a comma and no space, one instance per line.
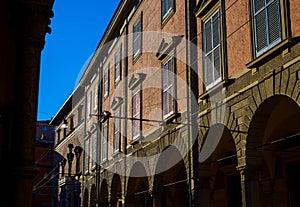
(274,22)
(168,88)
(267,24)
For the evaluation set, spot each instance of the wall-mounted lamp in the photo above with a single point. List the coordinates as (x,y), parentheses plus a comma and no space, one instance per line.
(64,126)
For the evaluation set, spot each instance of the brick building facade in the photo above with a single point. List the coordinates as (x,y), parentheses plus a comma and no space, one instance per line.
(193,103)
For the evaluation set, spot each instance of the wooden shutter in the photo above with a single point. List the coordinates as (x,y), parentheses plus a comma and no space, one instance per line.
(267,24)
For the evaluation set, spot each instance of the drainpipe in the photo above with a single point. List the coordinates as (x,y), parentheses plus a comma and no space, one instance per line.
(99,135)
(192,106)
(125,104)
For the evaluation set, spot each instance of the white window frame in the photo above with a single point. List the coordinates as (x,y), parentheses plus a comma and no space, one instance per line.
(104,142)
(136,133)
(117,130)
(212,52)
(137,37)
(94,150)
(87,155)
(166,7)
(118,65)
(89,105)
(106,82)
(264,10)
(96,88)
(168,85)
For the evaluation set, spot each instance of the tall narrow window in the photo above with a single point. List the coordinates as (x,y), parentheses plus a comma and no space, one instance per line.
(104,148)
(168,87)
(88,105)
(96,96)
(118,66)
(79,112)
(94,151)
(166,8)
(212,50)
(137,37)
(136,114)
(117,130)
(267,24)
(106,81)
(87,155)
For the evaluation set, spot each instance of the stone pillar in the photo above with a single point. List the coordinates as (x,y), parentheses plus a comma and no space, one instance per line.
(63,164)
(77,193)
(78,150)
(70,157)
(204,186)
(249,187)
(30,20)
(62,196)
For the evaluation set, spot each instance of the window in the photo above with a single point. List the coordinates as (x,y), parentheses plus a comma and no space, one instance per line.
(87,154)
(45,129)
(166,8)
(168,87)
(137,37)
(117,130)
(79,111)
(267,24)
(104,155)
(88,105)
(118,66)
(94,151)
(136,114)
(212,50)
(106,82)
(96,96)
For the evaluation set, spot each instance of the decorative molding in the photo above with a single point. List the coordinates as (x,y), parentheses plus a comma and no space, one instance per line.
(117,101)
(135,80)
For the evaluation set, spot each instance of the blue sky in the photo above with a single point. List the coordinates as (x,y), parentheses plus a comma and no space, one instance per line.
(77,27)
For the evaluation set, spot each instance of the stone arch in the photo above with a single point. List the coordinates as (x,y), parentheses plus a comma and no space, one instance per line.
(86,198)
(273,152)
(138,187)
(170,187)
(93,196)
(116,191)
(104,194)
(219,180)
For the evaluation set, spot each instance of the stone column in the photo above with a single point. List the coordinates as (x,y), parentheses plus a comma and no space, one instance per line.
(30,20)
(63,164)
(70,157)
(78,150)
(204,185)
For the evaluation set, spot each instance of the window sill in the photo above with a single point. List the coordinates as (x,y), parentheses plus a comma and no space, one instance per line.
(136,57)
(135,140)
(169,119)
(258,61)
(215,89)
